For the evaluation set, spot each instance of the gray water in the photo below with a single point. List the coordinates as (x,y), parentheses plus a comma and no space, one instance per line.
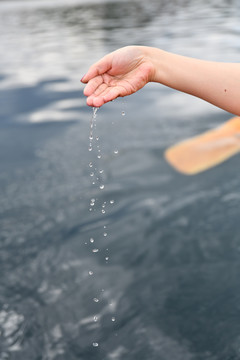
(171,283)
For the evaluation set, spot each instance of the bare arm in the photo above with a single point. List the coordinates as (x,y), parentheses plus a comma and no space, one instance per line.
(215,82)
(127,70)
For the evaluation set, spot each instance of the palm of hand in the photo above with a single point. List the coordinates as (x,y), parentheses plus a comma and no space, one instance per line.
(118,74)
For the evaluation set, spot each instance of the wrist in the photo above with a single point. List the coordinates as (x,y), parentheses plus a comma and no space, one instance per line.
(155,58)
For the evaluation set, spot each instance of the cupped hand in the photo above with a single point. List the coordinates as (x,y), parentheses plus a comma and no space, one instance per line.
(118,74)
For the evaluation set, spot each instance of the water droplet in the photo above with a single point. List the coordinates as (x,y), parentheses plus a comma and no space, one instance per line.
(90,272)
(113,318)
(99,156)
(95,344)
(95,109)
(123,113)
(105,234)
(90,164)
(115,152)
(92,174)
(101,187)
(91,137)
(95,250)
(101,171)
(96,300)
(111,201)
(95,318)
(91,240)
(90,148)
(97,138)
(106,258)
(103,211)
(92,204)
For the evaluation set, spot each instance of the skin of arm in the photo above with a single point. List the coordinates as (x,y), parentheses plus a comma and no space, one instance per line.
(128,69)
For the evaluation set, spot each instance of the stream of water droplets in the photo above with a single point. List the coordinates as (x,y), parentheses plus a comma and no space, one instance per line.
(96,177)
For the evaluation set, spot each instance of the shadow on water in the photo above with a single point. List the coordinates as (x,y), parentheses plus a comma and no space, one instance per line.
(15,103)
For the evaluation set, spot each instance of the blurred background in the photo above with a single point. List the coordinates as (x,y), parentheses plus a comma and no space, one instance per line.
(148,266)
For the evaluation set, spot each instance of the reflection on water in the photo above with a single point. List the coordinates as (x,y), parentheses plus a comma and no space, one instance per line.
(169,289)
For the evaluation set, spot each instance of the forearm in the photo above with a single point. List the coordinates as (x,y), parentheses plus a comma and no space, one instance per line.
(215,82)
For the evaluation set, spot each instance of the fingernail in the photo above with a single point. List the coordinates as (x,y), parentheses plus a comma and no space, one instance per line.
(82,78)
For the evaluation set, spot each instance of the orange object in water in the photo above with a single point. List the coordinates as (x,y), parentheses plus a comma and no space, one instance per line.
(207,150)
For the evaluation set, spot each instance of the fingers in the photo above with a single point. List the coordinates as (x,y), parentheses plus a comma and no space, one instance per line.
(95,102)
(98,93)
(100,98)
(93,85)
(101,67)
(112,94)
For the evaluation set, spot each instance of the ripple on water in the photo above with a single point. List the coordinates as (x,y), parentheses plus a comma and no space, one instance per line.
(11,330)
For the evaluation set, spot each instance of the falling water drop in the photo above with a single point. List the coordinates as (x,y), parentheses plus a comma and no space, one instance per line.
(95,109)
(92,202)
(91,128)
(95,250)
(95,344)
(96,300)
(101,187)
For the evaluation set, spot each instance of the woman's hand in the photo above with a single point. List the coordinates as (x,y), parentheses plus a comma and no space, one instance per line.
(128,69)
(120,73)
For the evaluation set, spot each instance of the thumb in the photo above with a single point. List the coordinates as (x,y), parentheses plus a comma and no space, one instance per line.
(99,68)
